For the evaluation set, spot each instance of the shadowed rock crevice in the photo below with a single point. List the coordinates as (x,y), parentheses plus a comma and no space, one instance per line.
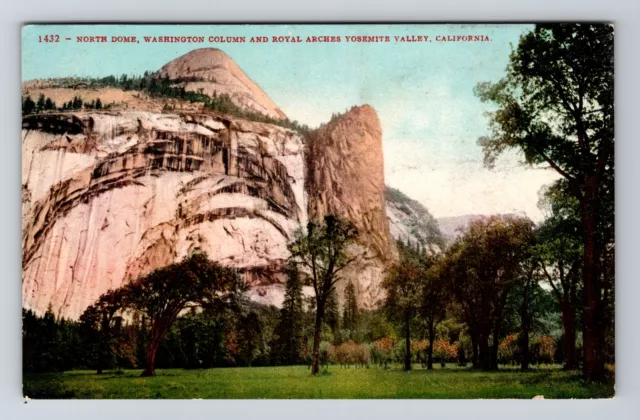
(162,151)
(179,172)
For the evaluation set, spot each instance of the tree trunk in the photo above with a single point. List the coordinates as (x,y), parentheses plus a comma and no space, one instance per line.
(152,351)
(494,349)
(497,327)
(524,335)
(474,348)
(569,337)
(430,347)
(524,349)
(407,342)
(153,346)
(593,366)
(315,361)
(484,361)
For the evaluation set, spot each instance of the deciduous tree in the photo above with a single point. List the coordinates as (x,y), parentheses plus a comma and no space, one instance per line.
(556,106)
(322,250)
(163,294)
(482,266)
(403,286)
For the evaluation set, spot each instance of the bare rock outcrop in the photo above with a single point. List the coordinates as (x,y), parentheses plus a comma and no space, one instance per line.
(111,196)
(211,70)
(345,177)
(411,222)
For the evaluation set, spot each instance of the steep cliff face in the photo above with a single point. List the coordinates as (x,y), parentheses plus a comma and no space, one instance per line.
(211,70)
(110,196)
(345,177)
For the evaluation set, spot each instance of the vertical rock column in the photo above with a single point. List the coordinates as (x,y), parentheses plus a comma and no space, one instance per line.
(345,177)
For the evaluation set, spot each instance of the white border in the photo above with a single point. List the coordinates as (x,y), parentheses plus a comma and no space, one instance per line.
(625,15)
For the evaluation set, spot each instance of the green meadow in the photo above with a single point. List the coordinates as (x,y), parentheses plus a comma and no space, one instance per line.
(295,382)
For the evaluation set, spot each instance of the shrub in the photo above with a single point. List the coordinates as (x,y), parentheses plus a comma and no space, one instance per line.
(326,352)
(546,349)
(465,349)
(382,350)
(508,349)
(352,353)
(417,347)
(444,351)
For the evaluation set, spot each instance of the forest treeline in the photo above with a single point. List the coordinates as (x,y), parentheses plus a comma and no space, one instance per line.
(159,87)
(505,292)
(246,333)
(45,104)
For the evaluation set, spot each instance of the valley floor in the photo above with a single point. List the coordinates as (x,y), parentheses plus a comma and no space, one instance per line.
(295,382)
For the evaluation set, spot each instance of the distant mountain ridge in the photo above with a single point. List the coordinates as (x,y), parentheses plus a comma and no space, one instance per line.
(410,221)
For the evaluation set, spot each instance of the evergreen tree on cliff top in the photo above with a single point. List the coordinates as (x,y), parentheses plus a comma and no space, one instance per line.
(556,106)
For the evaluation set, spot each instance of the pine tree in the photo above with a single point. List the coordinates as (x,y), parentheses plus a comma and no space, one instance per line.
(290,328)
(28,106)
(350,313)
(332,312)
(77,103)
(49,104)
(41,103)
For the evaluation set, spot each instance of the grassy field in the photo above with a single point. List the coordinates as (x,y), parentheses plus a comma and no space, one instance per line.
(296,382)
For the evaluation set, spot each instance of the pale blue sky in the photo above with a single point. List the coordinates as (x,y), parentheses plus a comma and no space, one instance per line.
(423,93)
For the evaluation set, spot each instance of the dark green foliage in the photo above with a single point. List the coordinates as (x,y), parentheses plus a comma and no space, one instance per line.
(77,103)
(250,327)
(350,313)
(289,333)
(482,267)
(332,312)
(166,292)
(322,249)
(196,340)
(106,340)
(556,105)
(49,105)
(403,287)
(43,104)
(28,106)
(48,344)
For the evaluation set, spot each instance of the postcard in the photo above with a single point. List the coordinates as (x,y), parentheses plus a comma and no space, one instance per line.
(328,211)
